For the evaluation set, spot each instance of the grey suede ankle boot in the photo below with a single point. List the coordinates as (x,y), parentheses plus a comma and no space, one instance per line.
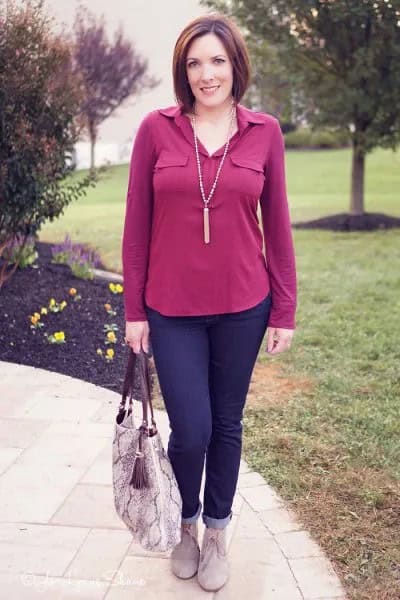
(185,556)
(213,569)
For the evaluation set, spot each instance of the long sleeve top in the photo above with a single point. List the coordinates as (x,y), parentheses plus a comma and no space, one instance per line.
(166,263)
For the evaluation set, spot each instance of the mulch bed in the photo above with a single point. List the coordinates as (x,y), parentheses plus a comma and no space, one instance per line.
(348,222)
(82,322)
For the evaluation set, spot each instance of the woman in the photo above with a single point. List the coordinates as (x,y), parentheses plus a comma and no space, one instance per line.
(197,284)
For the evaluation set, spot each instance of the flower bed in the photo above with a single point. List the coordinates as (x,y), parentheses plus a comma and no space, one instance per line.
(56,321)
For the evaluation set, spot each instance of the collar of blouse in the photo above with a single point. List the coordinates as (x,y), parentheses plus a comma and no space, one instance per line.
(245,117)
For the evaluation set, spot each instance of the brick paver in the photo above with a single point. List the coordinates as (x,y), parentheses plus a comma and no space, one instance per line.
(61,538)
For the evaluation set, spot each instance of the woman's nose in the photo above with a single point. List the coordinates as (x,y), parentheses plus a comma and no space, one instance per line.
(207,73)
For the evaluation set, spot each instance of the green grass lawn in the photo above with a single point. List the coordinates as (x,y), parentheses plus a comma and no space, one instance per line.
(319,182)
(333,451)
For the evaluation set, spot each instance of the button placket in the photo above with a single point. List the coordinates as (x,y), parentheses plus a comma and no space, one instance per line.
(209,168)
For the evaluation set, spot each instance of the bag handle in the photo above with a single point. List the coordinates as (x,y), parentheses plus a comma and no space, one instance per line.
(138,364)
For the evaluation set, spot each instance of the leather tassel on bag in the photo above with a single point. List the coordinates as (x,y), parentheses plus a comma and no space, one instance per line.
(139,479)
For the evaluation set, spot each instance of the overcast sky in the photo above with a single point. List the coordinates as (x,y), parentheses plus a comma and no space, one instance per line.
(153,26)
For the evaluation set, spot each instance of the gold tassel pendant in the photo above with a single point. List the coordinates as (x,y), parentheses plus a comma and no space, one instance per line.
(206,221)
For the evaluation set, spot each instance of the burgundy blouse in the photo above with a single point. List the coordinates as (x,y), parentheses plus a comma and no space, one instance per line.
(166,264)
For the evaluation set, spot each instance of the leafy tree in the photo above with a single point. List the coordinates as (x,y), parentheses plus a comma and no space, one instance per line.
(39,103)
(348,56)
(112,71)
(273,89)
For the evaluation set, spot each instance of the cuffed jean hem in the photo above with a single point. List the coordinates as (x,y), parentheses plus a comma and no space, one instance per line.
(195,517)
(216,523)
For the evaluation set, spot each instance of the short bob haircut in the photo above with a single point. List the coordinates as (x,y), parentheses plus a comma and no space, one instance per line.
(234,45)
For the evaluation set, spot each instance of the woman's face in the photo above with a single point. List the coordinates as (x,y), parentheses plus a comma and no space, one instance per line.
(209,71)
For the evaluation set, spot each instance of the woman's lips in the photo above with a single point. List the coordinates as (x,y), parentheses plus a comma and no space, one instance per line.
(209,91)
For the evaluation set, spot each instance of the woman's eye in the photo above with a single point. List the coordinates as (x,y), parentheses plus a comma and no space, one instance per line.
(192,64)
(219,60)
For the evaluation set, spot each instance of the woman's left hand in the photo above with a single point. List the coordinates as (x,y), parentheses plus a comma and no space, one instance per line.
(278,339)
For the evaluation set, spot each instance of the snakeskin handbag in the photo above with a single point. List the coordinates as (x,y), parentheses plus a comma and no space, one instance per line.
(146,493)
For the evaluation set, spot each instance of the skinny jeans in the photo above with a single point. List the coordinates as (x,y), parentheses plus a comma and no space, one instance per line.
(204,366)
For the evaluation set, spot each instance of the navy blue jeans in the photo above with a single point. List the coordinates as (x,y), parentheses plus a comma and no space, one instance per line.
(204,366)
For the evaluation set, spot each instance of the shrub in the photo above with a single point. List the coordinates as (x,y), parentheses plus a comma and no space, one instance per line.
(79,257)
(323,138)
(24,254)
(61,252)
(39,108)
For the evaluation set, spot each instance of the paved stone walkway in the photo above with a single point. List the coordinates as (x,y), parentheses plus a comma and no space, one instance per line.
(60,537)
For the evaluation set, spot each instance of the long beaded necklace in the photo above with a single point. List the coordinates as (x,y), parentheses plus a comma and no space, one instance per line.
(206,201)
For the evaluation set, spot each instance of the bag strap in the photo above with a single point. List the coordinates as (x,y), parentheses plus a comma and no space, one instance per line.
(143,367)
(138,365)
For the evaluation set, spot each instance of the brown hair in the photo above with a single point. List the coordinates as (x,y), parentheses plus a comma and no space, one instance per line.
(235,47)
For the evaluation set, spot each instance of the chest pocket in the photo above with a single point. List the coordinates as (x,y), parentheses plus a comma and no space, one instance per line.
(248,175)
(169,171)
(170,159)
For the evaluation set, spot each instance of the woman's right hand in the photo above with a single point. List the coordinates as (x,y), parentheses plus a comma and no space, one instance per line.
(137,335)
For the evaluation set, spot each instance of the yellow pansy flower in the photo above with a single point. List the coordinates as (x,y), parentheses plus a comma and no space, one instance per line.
(115,288)
(59,336)
(72,292)
(43,310)
(99,351)
(111,337)
(110,353)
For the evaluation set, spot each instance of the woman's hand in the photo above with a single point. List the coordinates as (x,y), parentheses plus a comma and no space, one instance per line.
(137,335)
(279,339)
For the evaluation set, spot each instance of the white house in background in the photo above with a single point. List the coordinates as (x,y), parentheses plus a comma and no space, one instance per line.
(112,153)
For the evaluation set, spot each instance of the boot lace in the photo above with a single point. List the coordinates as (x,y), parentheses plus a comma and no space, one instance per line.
(190,529)
(215,536)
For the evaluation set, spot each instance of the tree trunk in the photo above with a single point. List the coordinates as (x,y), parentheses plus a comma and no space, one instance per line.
(93,137)
(92,145)
(357,182)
